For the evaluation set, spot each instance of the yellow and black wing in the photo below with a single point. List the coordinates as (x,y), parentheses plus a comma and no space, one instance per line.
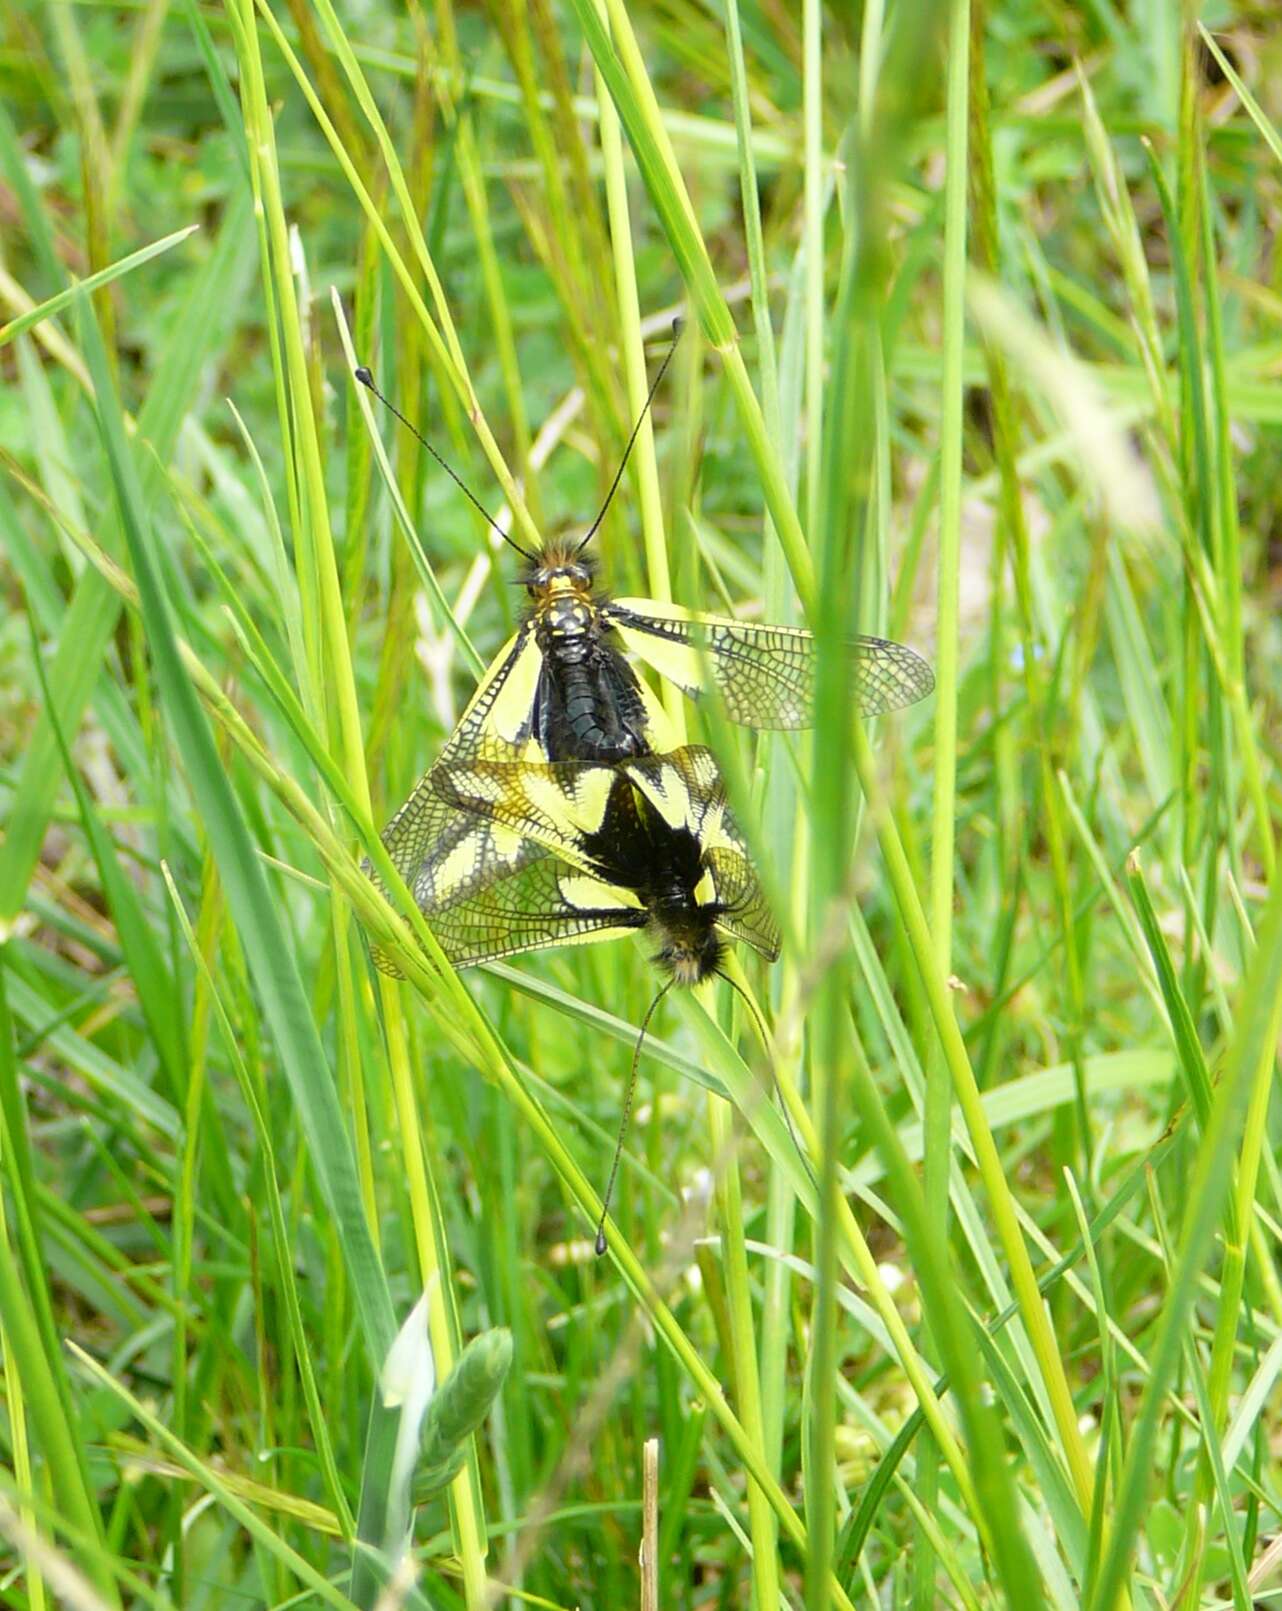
(587,815)
(489,892)
(544,903)
(559,806)
(687,789)
(446,857)
(517,710)
(444,853)
(764,674)
(499,718)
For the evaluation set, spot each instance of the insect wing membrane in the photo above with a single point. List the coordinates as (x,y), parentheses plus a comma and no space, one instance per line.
(764,674)
(687,790)
(498,720)
(545,903)
(553,805)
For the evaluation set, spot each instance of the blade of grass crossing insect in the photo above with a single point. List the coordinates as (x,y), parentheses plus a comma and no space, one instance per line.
(763,1524)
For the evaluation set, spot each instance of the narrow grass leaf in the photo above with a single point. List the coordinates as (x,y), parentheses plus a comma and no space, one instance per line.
(267,947)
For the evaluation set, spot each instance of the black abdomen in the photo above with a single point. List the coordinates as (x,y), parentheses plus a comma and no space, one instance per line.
(588,706)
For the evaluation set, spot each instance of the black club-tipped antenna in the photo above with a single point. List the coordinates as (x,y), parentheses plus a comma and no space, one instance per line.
(366,379)
(627,452)
(600,1243)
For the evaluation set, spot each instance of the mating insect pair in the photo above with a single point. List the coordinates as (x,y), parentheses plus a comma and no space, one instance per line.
(559,812)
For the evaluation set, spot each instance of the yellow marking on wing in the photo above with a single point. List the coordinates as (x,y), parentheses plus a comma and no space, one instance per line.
(482,688)
(573,803)
(667,793)
(678,662)
(454,872)
(714,830)
(705,891)
(661,735)
(539,792)
(703,768)
(591,791)
(591,895)
(506,841)
(509,715)
(593,935)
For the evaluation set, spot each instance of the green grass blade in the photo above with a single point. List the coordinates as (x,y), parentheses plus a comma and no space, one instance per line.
(266,946)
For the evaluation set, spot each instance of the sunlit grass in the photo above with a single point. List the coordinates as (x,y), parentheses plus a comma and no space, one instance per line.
(980,349)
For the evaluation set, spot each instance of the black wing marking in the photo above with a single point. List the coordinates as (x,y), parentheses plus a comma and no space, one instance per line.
(575,809)
(492,725)
(443,853)
(446,856)
(764,674)
(553,804)
(543,904)
(744,913)
(486,891)
(582,811)
(691,775)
